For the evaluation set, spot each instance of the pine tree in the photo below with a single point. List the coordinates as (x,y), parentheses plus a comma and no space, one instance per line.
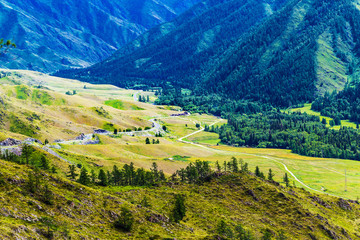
(103,178)
(26,152)
(72,172)
(286,180)
(257,171)
(179,209)
(271,175)
(218,167)
(235,165)
(44,163)
(125,220)
(48,195)
(147,141)
(84,178)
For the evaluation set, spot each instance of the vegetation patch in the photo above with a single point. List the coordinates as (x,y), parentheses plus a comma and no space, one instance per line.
(181,158)
(134,107)
(109,127)
(102,112)
(19,126)
(42,97)
(22,92)
(115,104)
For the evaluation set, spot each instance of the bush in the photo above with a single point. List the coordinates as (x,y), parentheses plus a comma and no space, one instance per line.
(125,220)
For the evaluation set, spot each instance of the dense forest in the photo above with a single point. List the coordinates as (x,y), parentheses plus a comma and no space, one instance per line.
(231,49)
(303,134)
(342,105)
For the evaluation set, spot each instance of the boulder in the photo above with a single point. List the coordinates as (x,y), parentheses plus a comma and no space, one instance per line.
(10,142)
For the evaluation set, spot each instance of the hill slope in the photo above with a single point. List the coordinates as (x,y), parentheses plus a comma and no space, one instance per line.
(240,200)
(233,49)
(53,35)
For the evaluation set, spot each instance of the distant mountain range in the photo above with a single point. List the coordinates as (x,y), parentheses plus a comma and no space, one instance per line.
(58,34)
(283,52)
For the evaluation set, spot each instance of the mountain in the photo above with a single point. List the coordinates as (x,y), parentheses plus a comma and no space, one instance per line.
(279,52)
(180,49)
(53,35)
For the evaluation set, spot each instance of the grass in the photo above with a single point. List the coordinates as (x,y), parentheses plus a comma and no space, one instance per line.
(22,92)
(205,138)
(115,104)
(79,211)
(66,121)
(307,109)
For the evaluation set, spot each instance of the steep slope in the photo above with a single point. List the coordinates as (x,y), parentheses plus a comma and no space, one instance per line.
(182,48)
(76,211)
(300,50)
(53,35)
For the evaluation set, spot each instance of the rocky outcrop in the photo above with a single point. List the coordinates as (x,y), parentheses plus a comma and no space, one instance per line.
(10,142)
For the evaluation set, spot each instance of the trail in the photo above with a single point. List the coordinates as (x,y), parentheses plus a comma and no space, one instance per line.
(277,160)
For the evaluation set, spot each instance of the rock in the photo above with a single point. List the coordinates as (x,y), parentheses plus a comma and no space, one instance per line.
(33,140)
(329,232)
(344,204)
(10,142)
(101,131)
(55,146)
(58,140)
(157,218)
(320,201)
(81,137)
(91,142)
(251,193)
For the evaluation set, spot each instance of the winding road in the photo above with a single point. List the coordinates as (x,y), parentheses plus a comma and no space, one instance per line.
(277,160)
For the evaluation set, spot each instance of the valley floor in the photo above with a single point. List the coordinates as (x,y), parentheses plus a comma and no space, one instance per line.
(107,107)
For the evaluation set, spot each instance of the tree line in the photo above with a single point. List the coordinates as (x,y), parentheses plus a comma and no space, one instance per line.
(303,134)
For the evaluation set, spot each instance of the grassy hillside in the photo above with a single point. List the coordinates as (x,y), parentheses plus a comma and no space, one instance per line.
(86,111)
(76,211)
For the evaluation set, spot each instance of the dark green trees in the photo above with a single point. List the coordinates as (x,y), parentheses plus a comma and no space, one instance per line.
(179,210)
(103,178)
(125,220)
(286,180)
(72,172)
(84,177)
(271,175)
(6,45)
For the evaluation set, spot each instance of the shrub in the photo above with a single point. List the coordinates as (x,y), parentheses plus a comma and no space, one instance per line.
(125,220)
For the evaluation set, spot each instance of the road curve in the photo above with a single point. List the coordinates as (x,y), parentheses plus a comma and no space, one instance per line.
(249,154)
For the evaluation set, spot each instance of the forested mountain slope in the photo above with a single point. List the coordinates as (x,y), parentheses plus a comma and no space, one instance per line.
(179,51)
(282,52)
(53,35)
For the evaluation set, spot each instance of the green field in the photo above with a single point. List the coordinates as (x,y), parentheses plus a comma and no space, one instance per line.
(307,109)
(109,107)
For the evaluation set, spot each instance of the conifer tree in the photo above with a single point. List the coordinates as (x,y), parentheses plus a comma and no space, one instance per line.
(286,180)
(103,178)
(84,178)
(270,175)
(72,172)
(179,209)
(44,163)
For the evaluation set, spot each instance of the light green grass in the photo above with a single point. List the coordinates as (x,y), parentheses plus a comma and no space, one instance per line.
(115,104)
(307,109)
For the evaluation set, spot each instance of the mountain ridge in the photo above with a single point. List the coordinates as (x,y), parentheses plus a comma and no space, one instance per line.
(307,54)
(53,35)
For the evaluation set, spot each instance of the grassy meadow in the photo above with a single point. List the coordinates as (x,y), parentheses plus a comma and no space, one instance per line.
(40,108)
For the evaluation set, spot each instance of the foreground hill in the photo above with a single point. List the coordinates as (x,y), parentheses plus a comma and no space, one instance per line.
(53,35)
(59,208)
(281,52)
